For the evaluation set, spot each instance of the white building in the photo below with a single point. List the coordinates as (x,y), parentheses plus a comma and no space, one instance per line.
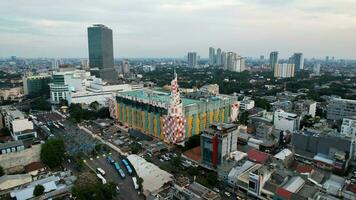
(235,62)
(80,87)
(192,59)
(247,104)
(340,108)
(285,121)
(316,69)
(348,127)
(19,126)
(305,107)
(284,70)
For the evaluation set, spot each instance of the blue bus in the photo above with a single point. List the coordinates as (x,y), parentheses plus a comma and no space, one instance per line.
(118,169)
(110,159)
(127,166)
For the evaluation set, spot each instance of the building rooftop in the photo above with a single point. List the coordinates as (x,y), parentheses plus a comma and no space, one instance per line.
(11,144)
(154,178)
(154,95)
(257,156)
(282,155)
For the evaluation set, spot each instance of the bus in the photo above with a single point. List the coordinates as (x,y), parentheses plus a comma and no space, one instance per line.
(127,166)
(54,124)
(110,159)
(119,170)
(60,124)
(101,171)
(134,179)
(103,180)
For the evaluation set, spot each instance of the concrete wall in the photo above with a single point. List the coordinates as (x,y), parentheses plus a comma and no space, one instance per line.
(15,161)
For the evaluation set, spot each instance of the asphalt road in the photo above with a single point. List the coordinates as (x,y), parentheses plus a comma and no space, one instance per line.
(127,190)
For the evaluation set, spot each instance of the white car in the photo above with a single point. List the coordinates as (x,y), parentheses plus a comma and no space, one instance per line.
(216,190)
(227,194)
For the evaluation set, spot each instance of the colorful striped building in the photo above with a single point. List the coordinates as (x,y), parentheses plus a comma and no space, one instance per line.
(145,110)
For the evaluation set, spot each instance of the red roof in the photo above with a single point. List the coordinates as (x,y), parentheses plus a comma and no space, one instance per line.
(304,169)
(283,193)
(257,156)
(34,166)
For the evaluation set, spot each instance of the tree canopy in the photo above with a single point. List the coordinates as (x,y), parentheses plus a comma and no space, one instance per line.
(39,190)
(52,153)
(77,113)
(96,191)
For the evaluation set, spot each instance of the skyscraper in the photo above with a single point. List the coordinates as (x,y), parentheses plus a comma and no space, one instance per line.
(192,59)
(125,66)
(298,61)
(211,56)
(273,59)
(224,60)
(101,56)
(285,70)
(218,57)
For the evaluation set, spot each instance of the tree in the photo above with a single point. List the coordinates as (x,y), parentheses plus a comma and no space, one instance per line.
(193,171)
(212,178)
(243,117)
(192,142)
(39,190)
(2,173)
(95,191)
(94,105)
(262,103)
(140,183)
(52,153)
(135,147)
(177,161)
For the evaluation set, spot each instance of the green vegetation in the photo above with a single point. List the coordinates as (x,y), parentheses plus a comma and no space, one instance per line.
(40,103)
(77,113)
(140,182)
(52,153)
(2,173)
(177,161)
(95,191)
(209,180)
(243,117)
(262,103)
(135,148)
(192,142)
(38,191)
(4,132)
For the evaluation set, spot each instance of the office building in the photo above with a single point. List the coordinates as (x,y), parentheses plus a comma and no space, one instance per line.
(298,61)
(285,121)
(146,110)
(305,107)
(101,54)
(217,142)
(20,127)
(125,66)
(192,59)
(81,87)
(36,85)
(284,70)
(316,69)
(247,104)
(85,64)
(224,60)
(348,127)
(218,57)
(235,62)
(273,59)
(340,108)
(211,56)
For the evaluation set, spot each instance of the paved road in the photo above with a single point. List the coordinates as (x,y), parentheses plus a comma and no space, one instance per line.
(127,190)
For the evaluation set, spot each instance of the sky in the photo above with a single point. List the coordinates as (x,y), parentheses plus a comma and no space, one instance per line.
(171,28)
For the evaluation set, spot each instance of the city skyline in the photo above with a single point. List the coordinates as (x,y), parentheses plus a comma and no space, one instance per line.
(171,28)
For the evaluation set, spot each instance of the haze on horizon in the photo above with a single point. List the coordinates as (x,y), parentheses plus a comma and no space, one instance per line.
(171,28)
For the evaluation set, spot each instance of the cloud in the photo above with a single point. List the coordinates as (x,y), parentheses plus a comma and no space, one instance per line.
(162,28)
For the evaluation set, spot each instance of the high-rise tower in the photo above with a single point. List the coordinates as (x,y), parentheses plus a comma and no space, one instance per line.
(273,59)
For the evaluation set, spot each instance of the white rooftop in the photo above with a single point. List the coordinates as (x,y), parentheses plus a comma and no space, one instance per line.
(282,155)
(154,178)
(294,184)
(26,193)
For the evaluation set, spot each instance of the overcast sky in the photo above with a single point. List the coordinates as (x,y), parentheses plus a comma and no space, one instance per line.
(171,28)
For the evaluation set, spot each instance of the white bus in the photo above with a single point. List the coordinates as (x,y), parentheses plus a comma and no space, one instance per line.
(101,171)
(103,180)
(134,179)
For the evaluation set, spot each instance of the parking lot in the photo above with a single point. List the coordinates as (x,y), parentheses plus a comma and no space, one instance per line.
(127,190)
